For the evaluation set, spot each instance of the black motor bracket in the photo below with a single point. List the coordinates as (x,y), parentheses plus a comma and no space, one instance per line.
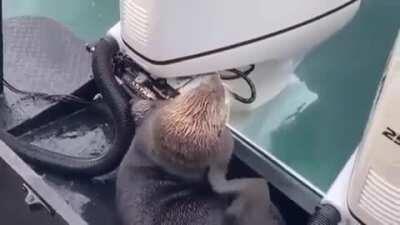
(325,214)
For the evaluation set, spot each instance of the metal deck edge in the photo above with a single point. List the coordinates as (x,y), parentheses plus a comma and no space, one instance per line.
(284,178)
(40,186)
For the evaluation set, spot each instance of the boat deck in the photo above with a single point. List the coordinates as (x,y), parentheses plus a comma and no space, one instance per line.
(302,138)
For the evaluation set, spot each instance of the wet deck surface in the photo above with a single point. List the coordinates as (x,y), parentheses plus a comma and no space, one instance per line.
(85,133)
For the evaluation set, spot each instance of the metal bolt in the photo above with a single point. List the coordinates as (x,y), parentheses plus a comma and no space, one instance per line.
(30,199)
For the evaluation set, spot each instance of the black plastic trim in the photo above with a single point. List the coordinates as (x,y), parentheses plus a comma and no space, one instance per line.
(356,218)
(229,47)
(38,185)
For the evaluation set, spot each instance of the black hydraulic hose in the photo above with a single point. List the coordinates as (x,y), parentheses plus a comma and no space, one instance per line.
(122,124)
(115,98)
(325,215)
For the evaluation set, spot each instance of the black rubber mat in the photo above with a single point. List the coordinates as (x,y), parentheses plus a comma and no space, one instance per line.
(41,55)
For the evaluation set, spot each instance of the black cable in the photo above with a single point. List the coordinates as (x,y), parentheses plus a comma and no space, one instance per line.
(44,96)
(237,74)
(252,97)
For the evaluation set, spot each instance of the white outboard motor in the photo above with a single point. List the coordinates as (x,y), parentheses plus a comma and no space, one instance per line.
(177,38)
(367,191)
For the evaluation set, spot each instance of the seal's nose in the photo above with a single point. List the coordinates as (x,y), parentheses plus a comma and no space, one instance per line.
(212,81)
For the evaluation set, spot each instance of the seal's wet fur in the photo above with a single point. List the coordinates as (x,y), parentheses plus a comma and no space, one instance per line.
(147,195)
(162,179)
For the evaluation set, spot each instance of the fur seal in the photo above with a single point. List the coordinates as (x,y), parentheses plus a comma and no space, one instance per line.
(174,172)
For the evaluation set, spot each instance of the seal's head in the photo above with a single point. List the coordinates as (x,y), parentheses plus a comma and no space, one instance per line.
(190,127)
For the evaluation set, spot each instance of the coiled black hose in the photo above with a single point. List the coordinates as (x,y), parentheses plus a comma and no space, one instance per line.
(123,125)
(325,215)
